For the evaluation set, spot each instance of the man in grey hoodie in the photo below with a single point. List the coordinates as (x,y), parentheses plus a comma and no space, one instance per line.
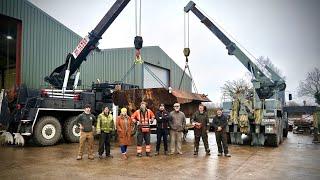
(177,124)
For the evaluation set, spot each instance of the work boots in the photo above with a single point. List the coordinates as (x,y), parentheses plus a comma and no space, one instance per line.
(148,154)
(91,157)
(227,155)
(124,157)
(139,155)
(79,157)
(196,150)
(109,156)
(157,153)
(208,152)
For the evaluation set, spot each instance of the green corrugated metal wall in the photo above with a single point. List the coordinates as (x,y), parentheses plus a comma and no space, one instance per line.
(45,43)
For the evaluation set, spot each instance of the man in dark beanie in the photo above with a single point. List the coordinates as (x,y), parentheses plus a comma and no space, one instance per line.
(85,121)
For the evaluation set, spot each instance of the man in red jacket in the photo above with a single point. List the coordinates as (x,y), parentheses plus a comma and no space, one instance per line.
(143,117)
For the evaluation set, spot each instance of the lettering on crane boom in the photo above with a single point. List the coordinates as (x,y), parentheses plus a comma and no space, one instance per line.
(80,46)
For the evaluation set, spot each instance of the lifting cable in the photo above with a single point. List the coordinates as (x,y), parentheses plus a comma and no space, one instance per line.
(186,52)
(138,41)
(149,71)
(128,72)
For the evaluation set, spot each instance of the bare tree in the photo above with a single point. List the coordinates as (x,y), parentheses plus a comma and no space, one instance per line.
(265,61)
(230,88)
(311,85)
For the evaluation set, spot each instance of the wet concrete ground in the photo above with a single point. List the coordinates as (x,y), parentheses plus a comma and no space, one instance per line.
(296,158)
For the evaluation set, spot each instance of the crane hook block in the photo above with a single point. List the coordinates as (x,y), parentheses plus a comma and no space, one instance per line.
(186,52)
(138,42)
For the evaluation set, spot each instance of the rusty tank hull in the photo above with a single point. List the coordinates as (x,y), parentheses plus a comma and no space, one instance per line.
(132,98)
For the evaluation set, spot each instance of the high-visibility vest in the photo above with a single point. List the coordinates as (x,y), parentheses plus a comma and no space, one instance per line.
(143,119)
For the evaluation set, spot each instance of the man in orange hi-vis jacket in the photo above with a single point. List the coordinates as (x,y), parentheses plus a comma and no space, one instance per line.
(143,117)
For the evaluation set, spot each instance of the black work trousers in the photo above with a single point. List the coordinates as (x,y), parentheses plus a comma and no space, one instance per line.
(201,133)
(221,138)
(104,143)
(162,133)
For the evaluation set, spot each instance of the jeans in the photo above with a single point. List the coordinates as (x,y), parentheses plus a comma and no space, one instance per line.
(123,149)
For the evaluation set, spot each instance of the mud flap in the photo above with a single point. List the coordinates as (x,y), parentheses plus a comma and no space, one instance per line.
(261,138)
(239,139)
(232,138)
(258,139)
(235,138)
(232,134)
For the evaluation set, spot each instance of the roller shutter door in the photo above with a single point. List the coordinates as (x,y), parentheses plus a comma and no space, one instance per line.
(151,73)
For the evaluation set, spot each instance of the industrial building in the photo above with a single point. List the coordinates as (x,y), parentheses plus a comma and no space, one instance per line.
(32,44)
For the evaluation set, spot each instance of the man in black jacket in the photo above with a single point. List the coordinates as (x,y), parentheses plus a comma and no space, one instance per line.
(220,123)
(162,117)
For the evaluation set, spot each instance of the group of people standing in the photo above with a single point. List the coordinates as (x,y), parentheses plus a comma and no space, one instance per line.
(173,123)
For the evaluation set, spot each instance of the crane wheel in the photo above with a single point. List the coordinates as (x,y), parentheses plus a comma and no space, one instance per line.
(272,140)
(47,131)
(71,131)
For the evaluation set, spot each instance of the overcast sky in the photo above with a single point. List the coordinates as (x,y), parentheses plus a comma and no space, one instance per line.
(287,31)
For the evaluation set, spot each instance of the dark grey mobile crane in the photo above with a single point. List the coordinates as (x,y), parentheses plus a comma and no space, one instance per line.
(268,94)
(47,114)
